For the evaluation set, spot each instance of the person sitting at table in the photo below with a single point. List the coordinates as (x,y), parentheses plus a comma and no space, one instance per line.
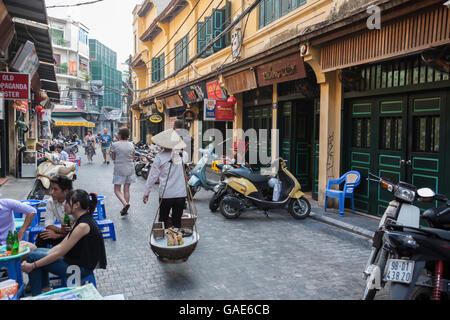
(60,186)
(7,206)
(83,246)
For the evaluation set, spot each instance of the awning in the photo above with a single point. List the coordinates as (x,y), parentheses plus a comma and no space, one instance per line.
(72,122)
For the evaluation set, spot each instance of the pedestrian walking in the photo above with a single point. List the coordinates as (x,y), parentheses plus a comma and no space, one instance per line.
(83,246)
(122,153)
(105,140)
(168,168)
(89,142)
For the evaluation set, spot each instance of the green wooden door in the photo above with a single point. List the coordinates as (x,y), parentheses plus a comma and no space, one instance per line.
(427,143)
(303,138)
(398,137)
(390,119)
(285,125)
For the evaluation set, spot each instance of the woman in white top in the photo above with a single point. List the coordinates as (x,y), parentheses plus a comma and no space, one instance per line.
(122,153)
(168,168)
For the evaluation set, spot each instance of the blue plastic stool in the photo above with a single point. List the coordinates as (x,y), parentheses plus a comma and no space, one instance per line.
(109,226)
(34,232)
(100,212)
(33,203)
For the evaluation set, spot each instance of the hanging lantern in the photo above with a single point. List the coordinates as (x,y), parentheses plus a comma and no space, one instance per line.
(232,100)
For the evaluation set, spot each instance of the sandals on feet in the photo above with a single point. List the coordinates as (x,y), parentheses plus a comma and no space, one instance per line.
(124,211)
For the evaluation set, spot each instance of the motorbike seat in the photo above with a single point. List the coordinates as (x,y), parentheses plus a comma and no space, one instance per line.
(255,178)
(443,234)
(438,217)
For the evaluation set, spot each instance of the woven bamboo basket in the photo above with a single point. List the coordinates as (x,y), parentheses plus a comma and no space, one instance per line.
(158,240)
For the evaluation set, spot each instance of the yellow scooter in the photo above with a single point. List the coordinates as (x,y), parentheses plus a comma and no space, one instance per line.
(46,170)
(253,190)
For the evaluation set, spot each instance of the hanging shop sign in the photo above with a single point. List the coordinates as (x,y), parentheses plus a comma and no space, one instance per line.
(189,115)
(224,111)
(15,86)
(282,70)
(173,101)
(214,90)
(26,60)
(240,82)
(209,110)
(194,93)
(218,110)
(21,105)
(159,106)
(156,118)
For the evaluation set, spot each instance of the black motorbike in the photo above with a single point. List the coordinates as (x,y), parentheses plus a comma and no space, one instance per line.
(419,264)
(227,171)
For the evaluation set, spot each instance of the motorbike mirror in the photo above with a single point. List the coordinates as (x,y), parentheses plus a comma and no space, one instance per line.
(425,193)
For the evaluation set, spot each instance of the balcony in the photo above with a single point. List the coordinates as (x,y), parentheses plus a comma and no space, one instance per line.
(61,42)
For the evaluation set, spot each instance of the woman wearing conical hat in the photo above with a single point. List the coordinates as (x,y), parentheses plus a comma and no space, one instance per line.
(168,168)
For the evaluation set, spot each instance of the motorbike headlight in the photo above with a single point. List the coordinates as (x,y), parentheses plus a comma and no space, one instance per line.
(216,188)
(405,194)
(402,240)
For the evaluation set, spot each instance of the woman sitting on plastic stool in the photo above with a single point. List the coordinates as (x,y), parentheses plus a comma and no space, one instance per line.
(82,247)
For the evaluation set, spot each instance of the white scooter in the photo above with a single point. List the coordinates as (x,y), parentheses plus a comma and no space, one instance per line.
(46,170)
(403,212)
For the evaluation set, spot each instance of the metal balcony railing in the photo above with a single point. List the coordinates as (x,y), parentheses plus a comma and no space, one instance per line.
(61,42)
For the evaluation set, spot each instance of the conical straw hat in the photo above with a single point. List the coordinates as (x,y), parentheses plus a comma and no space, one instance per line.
(169,139)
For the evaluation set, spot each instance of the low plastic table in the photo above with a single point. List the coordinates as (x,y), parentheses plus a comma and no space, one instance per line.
(12,264)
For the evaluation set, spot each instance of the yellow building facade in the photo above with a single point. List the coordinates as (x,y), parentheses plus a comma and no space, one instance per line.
(284,63)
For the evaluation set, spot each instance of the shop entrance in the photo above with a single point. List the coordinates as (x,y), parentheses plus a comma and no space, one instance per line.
(296,123)
(399,137)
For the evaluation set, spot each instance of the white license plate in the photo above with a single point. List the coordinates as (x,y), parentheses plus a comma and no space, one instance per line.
(399,270)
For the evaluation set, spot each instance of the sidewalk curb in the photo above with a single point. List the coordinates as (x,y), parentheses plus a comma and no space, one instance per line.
(343,225)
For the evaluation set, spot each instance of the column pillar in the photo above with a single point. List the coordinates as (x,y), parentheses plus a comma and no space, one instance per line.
(330,132)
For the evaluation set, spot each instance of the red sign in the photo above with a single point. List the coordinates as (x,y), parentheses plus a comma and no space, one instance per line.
(15,86)
(224,111)
(214,90)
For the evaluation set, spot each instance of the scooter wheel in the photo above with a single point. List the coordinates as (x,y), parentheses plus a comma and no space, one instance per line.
(228,212)
(300,208)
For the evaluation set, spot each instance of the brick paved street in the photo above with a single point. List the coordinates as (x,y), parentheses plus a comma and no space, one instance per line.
(249,258)
(252,257)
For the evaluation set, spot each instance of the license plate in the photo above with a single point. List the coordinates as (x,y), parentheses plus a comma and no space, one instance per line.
(399,270)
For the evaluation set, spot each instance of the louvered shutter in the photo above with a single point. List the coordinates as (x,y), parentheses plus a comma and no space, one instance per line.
(218,27)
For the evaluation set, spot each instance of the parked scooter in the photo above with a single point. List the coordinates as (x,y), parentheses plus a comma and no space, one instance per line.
(198,177)
(419,264)
(227,171)
(403,212)
(253,190)
(46,170)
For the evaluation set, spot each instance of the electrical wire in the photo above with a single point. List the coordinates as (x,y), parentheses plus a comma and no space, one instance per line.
(194,25)
(211,43)
(74,5)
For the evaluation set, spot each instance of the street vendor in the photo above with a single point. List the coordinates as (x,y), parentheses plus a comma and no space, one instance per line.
(168,168)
